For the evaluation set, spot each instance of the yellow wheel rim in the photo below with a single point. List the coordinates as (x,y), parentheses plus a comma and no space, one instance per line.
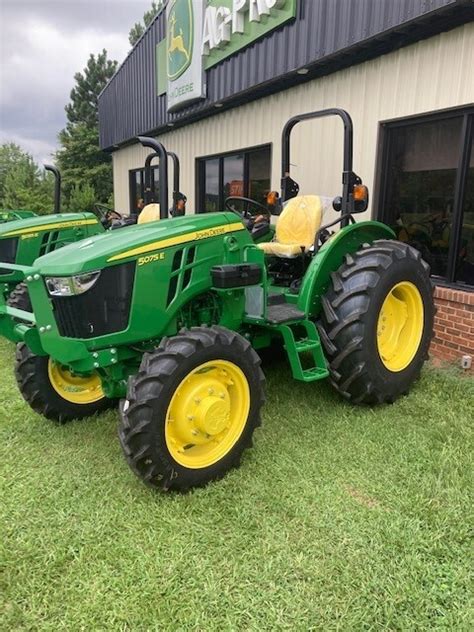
(400,326)
(74,388)
(207,414)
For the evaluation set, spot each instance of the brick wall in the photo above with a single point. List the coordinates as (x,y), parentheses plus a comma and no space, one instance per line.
(454,325)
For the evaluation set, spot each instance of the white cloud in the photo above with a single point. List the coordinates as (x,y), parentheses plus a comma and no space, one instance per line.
(42,151)
(42,46)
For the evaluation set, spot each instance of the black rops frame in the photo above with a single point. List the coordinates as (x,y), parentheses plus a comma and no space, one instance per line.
(148,177)
(162,154)
(290,188)
(57,186)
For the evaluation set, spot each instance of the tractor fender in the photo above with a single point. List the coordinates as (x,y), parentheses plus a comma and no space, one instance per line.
(330,257)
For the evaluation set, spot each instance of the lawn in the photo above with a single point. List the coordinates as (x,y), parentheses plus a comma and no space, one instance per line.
(339,518)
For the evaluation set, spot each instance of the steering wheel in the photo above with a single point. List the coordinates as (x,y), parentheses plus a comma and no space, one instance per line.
(248,202)
(106,214)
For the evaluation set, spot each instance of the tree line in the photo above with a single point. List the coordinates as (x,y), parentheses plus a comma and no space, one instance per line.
(86,170)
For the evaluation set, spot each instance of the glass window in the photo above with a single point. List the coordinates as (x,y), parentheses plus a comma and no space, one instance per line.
(233,175)
(259,175)
(465,260)
(211,185)
(137,189)
(246,173)
(420,194)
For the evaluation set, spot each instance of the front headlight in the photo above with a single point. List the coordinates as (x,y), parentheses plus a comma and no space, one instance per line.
(71,286)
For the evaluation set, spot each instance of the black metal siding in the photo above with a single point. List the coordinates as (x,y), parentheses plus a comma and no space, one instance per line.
(326,35)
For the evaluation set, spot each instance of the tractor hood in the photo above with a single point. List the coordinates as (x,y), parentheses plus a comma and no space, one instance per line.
(40,223)
(132,242)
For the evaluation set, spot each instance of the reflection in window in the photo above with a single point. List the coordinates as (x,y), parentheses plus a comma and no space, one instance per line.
(465,261)
(259,175)
(234,175)
(421,180)
(211,187)
(137,187)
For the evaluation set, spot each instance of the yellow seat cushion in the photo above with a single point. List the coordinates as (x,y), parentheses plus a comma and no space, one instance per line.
(150,213)
(296,227)
(280,250)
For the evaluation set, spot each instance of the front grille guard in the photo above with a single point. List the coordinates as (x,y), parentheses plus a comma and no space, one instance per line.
(40,332)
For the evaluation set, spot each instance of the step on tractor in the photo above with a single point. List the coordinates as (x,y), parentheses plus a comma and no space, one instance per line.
(23,241)
(167,318)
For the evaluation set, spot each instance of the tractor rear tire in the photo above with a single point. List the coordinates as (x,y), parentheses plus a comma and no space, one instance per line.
(192,408)
(377,322)
(35,376)
(19,298)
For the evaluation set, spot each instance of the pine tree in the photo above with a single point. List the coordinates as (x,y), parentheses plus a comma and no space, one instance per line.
(22,185)
(80,158)
(138,28)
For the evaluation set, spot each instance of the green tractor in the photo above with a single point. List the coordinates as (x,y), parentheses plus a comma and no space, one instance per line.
(23,241)
(168,318)
(10,216)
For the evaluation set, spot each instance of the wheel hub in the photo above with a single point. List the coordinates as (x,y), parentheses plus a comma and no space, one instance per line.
(400,326)
(207,413)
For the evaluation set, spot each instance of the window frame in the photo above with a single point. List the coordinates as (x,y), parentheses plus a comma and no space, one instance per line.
(384,142)
(200,173)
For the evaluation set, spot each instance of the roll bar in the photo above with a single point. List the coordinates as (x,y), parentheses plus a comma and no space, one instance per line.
(161,153)
(57,186)
(290,188)
(176,177)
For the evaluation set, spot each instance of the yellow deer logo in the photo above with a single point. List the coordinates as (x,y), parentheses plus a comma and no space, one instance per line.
(176,42)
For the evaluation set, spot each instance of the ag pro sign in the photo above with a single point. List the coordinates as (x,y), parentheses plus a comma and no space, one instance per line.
(230,25)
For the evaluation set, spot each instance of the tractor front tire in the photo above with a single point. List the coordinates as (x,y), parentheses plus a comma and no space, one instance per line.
(19,298)
(192,408)
(377,322)
(54,392)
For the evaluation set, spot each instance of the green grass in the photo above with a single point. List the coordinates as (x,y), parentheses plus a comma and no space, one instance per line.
(339,518)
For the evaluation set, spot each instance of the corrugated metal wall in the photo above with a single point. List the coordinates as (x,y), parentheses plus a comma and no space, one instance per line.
(433,74)
(323,30)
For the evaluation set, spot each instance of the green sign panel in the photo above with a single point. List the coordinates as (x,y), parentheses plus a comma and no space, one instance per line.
(234,24)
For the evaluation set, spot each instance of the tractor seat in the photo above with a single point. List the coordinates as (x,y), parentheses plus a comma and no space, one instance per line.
(296,227)
(150,213)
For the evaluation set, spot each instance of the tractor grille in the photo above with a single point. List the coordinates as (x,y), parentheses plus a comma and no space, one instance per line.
(8,248)
(104,309)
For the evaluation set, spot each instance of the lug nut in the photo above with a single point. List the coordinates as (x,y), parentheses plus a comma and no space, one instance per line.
(197,400)
(48,327)
(190,417)
(42,330)
(113,351)
(36,277)
(96,365)
(210,391)
(195,433)
(29,278)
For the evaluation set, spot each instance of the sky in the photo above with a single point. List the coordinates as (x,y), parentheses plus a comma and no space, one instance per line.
(43,43)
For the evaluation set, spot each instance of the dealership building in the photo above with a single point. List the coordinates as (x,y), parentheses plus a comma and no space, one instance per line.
(216,80)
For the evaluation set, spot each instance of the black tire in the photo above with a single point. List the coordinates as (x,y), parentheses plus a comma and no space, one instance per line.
(143,414)
(31,372)
(19,298)
(349,317)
